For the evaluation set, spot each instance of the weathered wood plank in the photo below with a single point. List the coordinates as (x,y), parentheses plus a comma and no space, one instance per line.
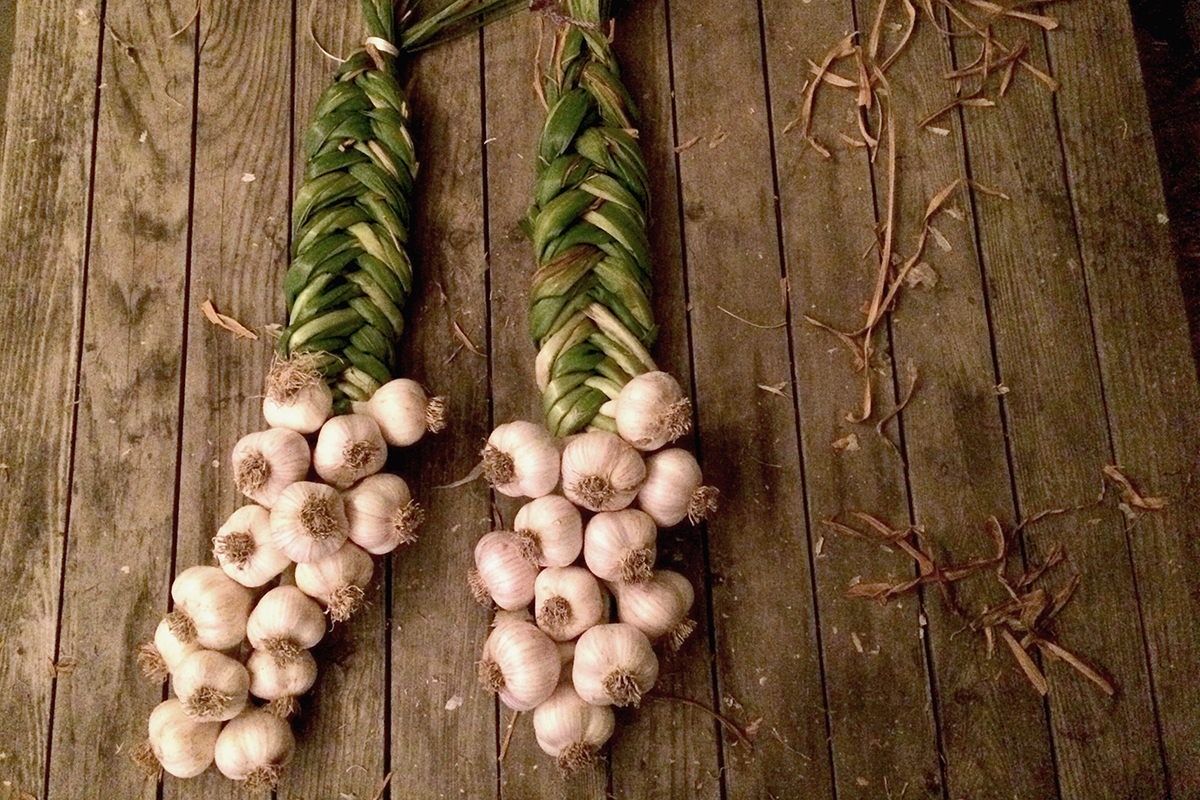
(1148,373)
(45,176)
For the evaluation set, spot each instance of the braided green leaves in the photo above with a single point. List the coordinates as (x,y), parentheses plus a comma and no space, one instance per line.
(590,312)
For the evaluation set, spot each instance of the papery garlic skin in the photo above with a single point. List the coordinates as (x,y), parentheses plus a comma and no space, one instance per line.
(571,730)
(652,410)
(501,573)
(521,459)
(338,581)
(159,657)
(267,462)
(403,411)
(278,682)
(244,549)
(253,748)
(520,664)
(181,745)
(614,665)
(550,531)
(567,601)
(620,546)
(601,471)
(349,448)
(672,489)
(284,622)
(297,396)
(658,607)
(308,521)
(212,686)
(381,514)
(210,608)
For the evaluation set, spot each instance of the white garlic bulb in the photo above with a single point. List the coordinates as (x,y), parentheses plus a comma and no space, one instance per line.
(284,622)
(349,448)
(381,513)
(404,411)
(266,462)
(614,665)
(210,608)
(520,664)
(621,546)
(567,601)
(253,748)
(521,460)
(280,683)
(244,549)
(308,521)
(672,489)
(550,531)
(338,581)
(652,410)
(501,573)
(297,396)
(212,686)
(571,730)
(601,471)
(160,657)
(658,607)
(180,744)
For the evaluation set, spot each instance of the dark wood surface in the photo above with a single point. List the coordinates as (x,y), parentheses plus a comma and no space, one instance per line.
(149,157)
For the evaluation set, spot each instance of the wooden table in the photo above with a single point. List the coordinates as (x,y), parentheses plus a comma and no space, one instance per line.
(149,159)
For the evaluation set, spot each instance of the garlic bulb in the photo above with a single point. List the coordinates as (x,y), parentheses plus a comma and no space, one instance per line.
(297,396)
(266,462)
(210,608)
(284,622)
(212,686)
(181,745)
(521,460)
(253,748)
(244,549)
(570,729)
(159,658)
(281,683)
(349,448)
(614,665)
(672,489)
(381,513)
(620,546)
(404,411)
(550,531)
(501,572)
(652,410)
(658,607)
(338,580)
(601,471)
(520,664)
(567,601)
(308,521)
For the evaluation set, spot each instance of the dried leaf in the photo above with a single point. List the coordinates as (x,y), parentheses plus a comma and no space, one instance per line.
(848,443)
(692,141)
(1061,653)
(921,275)
(228,323)
(467,343)
(1026,663)
(776,389)
(1129,494)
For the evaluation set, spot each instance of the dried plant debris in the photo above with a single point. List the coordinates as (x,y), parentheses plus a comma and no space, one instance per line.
(1022,622)
(228,323)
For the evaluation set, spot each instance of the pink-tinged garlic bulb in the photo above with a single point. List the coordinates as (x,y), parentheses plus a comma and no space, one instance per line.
(404,411)
(520,664)
(159,657)
(652,410)
(501,573)
(550,531)
(658,606)
(244,549)
(614,665)
(253,748)
(601,471)
(620,546)
(267,462)
(284,622)
(349,448)
(297,396)
(308,521)
(673,490)
(281,682)
(381,513)
(211,608)
(521,459)
(180,744)
(571,730)
(567,601)
(338,581)
(212,686)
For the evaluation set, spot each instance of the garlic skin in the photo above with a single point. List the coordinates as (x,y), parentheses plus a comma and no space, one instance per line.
(601,471)
(501,573)
(614,665)
(284,622)
(212,686)
(253,748)
(672,489)
(571,730)
(567,601)
(652,410)
(159,658)
(381,513)
(211,608)
(308,521)
(658,607)
(403,411)
(281,683)
(338,581)
(621,546)
(244,549)
(349,448)
(550,531)
(297,396)
(521,459)
(181,745)
(520,664)
(266,462)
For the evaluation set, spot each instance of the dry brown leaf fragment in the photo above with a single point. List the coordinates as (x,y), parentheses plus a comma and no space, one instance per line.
(1030,669)
(1129,494)
(692,141)
(226,322)
(776,389)
(847,444)
(1061,653)
(467,343)
(921,276)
